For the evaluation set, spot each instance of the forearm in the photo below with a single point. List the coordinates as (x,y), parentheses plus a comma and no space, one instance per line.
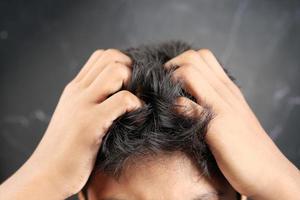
(31,183)
(286,186)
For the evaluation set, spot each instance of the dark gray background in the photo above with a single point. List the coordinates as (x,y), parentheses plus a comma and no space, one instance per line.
(43,44)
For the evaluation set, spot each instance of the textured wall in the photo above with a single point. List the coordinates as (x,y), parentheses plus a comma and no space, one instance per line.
(43,44)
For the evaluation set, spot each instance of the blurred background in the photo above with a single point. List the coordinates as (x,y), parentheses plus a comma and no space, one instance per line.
(43,44)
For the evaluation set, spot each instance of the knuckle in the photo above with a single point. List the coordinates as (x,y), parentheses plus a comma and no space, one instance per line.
(119,69)
(181,101)
(191,55)
(120,72)
(70,86)
(186,71)
(112,52)
(127,97)
(73,86)
(237,90)
(98,52)
(205,52)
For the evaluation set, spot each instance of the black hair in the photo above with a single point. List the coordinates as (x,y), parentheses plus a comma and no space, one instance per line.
(157,127)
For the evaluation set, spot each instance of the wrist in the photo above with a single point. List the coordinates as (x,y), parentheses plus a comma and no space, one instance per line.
(32,182)
(47,179)
(282,186)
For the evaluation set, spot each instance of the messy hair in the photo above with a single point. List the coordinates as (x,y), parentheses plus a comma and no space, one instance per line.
(157,127)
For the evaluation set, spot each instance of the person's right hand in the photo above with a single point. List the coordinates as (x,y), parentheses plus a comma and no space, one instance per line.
(64,159)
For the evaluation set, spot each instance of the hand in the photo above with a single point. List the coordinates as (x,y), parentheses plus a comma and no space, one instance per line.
(65,157)
(246,155)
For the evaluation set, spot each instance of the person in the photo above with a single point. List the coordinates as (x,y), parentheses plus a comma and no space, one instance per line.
(116,135)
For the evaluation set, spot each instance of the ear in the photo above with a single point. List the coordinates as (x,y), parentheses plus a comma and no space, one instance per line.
(81,196)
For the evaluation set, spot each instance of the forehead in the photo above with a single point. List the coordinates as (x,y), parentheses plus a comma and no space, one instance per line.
(164,177)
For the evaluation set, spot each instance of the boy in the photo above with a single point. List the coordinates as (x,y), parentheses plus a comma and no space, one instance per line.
(155,122)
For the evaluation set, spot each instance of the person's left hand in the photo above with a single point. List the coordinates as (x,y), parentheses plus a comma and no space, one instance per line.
(244,152)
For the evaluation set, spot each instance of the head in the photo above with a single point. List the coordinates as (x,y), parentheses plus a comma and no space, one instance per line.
(157,151)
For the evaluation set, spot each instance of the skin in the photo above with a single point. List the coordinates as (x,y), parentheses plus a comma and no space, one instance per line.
(244,152)
(64,159)
(169,177)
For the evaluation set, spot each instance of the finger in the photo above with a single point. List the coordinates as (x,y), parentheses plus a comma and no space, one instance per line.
(187,57)
(109,81)
(188,107)
(108,56)
(193,58)
(213,63)
(118,104)
(87,66)
(196,84)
